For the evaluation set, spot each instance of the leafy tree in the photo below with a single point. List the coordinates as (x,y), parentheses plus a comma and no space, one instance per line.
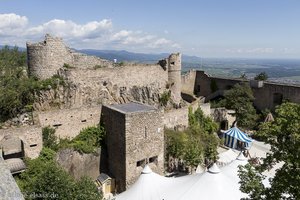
(195,144)
(49,138)
(243,76)
(205,123)
(86,190)
(263,76)
(284,137)
(193,153)
(44,179)
(240,98)
(17,90)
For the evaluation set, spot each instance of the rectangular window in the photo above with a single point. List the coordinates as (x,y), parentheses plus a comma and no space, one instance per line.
(141,163)
(153,159)
(33,145)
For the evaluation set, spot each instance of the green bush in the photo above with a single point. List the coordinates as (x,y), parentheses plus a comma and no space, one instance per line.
(49,138)
(44,179)
(165,98)
(87,141)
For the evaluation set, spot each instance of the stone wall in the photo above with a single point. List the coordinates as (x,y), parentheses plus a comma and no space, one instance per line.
(144,140)
(205,107)
(133,138)
(176,117)
(46,57)
(188,82)
(79,165)
(69,122)
(267,96)
(31,137)
(203,83)
(9,189)
(114,123)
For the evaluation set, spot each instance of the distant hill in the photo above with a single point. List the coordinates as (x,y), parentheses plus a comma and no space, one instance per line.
(135,57)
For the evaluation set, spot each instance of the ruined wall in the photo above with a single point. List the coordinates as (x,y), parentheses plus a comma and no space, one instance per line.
(188,82)
(31,137)
(46,57)
(205,107)
(142,83)
(69,122)
(265,97)
(79,165)
(176,117)
(203,83)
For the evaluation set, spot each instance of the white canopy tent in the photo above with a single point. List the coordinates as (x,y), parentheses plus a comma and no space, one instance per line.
(149,186)
(214,184)
(226,157)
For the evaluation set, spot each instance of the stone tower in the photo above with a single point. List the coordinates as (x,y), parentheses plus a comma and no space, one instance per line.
(46,57)
(174,76)
(134,138)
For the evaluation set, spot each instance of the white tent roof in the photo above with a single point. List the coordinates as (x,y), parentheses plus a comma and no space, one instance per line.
(214,184)
(226,157)
(149,186)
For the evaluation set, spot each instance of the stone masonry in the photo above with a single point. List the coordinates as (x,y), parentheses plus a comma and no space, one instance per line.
(134,138)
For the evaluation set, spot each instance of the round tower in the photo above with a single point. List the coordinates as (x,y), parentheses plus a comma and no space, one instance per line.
(174,76)
(46,57)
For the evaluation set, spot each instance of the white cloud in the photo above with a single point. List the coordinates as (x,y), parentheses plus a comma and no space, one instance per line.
(69,29)
(95,34)
(12,24)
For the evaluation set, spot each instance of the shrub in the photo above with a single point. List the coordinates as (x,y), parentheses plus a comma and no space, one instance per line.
(165,97)
(49,138)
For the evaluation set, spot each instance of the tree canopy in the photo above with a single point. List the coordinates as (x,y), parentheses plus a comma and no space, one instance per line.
(16,88)
(263,76)
(195,144)
(44,179)
(240,98)
(284,137)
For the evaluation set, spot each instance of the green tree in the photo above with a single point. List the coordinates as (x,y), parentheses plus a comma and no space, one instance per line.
(284,137)
(49,138)
(240,98)
(195,144)
(263,76)
(86,190)
(17,90)
(205,123)
(44,179)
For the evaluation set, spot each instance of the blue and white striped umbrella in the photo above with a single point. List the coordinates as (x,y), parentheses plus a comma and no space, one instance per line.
(233,135)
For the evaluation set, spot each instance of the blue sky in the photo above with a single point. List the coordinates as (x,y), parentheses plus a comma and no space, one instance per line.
(206,28)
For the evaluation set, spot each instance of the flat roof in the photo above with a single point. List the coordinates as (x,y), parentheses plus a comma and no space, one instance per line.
(132,107)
